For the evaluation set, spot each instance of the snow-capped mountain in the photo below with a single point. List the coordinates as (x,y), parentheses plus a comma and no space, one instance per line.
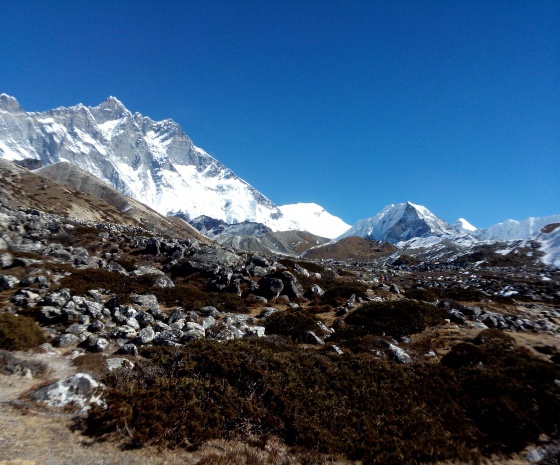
(154,162)
(402,222)
(315,219)
(463,225)
(513,230)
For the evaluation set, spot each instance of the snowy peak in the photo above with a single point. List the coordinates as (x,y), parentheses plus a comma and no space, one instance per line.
(314,219)
(463,225)
(401,222)
(514,230)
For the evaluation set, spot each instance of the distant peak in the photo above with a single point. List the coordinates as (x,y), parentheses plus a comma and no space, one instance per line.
(112,103)
(111,108)
(463,224)
(9,103)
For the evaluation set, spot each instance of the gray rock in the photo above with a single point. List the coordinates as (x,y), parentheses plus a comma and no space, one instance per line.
(80,389)
(161,326)
(267,312)
(168,335)
(97,344)
(123,332)
(147,270)
(399,355)
(337,349)
(115,363)
(178,314)
(314,291)
(6,259)
(128,349)
(50,314)
(394,289)
(94,309)
(208,322)
(292,287)
(255,331)
(145,319)
(225,335)
(309,337)
(65,340)
(96,295)
(209,311)
(164,282)
(133,323)
(8,282)
(193,331)
(146,335)
(455,316)
(324,328)
(270,288)
(177,324)
(146,300)
(536,455)
(76,329)
(57,299)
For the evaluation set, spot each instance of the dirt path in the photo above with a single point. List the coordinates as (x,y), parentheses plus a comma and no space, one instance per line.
(33,436)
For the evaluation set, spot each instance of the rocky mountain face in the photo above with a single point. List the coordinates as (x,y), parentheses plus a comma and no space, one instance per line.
(151,161)
(256,237)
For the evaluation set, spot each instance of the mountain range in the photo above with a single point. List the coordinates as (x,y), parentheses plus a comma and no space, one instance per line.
(156,163)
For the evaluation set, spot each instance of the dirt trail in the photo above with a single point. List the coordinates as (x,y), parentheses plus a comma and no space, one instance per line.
(30,435)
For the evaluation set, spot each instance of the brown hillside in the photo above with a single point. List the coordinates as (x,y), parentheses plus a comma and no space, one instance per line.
(352,247)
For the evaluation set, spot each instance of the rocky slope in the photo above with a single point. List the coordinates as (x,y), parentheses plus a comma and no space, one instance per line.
(65,190)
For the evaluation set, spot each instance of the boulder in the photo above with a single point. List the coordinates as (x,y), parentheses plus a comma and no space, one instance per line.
(309,337)
(399,355)
(146,300)
(270,288)
(128,349)
(146,335)
(314,291)
(209,311)
(255,331)
(80,389)
(65,340)
(6,259)
(97,344)
(292,287)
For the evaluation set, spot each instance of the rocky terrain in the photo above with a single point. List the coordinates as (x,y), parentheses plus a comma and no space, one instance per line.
(260,349)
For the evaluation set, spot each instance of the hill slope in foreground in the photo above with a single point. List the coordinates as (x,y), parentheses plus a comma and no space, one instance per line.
(249,358)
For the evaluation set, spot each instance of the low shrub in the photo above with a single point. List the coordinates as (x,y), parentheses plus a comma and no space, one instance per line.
(249,390)
(19,332)
(510,394)
(309,266)
(460,294)
(421,294)
(395,318)
(366,409)
(291,323)
(338,292)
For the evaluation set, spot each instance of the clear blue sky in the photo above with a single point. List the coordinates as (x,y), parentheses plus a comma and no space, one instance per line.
(454,105)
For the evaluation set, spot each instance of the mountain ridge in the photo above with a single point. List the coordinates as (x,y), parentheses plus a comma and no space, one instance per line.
(152,161)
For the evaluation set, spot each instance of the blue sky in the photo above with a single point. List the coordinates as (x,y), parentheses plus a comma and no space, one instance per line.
(350,104)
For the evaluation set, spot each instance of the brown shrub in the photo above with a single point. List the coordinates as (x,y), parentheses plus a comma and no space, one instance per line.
(395,318)
(18,332)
